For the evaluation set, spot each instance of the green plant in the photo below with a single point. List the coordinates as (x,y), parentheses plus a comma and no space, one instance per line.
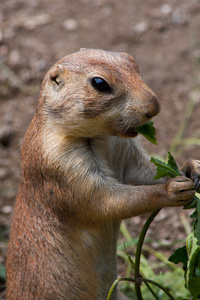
(190,256)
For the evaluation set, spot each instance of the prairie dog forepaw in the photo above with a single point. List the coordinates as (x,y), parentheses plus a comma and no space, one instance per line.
(191,169)
(180,190)
(197,182)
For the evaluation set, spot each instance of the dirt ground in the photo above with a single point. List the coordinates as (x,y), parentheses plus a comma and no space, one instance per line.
(163,37)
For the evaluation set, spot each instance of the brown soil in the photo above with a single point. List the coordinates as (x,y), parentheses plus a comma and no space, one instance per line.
(163,37)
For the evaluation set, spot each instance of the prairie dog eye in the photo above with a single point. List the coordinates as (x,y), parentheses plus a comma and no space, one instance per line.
(100,85)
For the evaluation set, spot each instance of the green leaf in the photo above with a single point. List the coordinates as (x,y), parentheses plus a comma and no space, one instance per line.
(180,256)
(148,131)
(193,267)
(191,204)
(163,169)
(172,163)
(197,223)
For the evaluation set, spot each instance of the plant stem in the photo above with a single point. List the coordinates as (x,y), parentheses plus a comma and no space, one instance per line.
(115,284)
(138,279)
(151,290)
(146,281)
(160,286)
(147,285)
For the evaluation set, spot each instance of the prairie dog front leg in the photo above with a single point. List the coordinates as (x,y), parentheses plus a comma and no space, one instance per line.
(114,201)
(132,201)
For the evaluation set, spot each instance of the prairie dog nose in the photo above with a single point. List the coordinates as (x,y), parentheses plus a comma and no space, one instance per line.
(153,107)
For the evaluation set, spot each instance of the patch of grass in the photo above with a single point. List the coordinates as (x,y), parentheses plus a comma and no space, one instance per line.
(159,270)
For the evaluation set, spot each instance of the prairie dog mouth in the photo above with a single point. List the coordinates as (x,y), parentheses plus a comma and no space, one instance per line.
(128,133)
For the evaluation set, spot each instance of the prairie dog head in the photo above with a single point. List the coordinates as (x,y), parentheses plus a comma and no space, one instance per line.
(95,93)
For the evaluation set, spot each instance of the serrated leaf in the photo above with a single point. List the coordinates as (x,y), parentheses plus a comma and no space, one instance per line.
(180,255)
(163,169)
(148,131)
(191,204)
(172,163)
(193,215)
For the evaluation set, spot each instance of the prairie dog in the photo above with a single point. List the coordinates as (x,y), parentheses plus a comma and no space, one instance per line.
(82,172)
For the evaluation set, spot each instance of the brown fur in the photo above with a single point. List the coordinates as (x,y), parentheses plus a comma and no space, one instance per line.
(80,176)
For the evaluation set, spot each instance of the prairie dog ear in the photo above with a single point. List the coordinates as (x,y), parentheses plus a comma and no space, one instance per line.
(58,75)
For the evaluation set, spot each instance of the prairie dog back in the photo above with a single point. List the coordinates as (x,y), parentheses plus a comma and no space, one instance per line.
(82,172)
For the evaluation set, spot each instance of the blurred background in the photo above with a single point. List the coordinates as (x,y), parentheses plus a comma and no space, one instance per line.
(162,36)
